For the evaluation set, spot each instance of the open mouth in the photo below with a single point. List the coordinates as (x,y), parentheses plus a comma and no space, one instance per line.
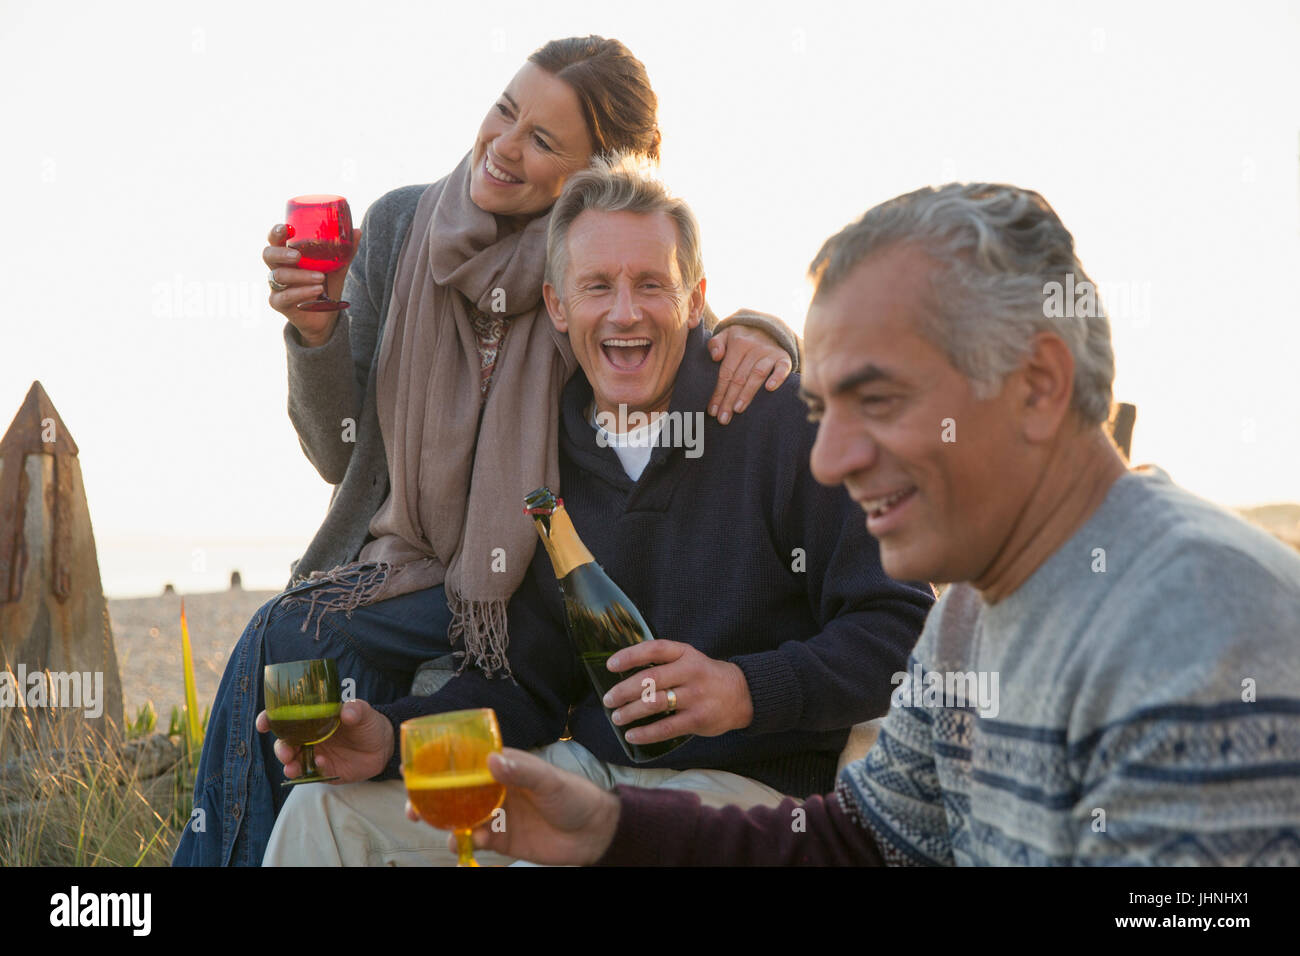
(496,172)
(879,507)
(626,355)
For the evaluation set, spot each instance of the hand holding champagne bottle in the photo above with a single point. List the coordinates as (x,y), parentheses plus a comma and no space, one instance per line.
(711,696)
(675,690)
(600,618)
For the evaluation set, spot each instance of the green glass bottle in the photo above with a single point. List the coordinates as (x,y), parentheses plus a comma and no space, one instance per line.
(600,618)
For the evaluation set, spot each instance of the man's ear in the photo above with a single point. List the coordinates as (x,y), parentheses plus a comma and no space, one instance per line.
(555,307)
(697,304)
(1046,387)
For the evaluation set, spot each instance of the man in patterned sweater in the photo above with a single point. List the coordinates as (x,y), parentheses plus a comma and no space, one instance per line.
(1114,679)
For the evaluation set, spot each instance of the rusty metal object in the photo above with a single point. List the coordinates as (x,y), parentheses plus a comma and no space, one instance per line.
(37,429)
(13,512)
(53,616)
(60,508)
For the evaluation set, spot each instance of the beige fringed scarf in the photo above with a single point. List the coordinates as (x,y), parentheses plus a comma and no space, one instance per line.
(454,514)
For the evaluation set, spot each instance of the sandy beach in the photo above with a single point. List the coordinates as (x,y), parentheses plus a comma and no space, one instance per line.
(147,637)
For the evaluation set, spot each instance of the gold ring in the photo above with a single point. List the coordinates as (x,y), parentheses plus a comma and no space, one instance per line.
(275,286)
(672,701)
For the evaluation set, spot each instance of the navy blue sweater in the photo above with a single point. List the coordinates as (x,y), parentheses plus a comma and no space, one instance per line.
(738,552)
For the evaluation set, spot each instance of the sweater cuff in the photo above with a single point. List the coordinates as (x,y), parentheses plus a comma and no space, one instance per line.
(774,327)
(309,363)
(655,828)
(774,691)
(396,713)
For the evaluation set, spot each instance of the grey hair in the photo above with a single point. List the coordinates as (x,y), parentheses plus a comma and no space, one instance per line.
(1001,249)
(620,183)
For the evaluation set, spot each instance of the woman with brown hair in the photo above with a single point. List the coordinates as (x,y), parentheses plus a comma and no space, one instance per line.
(431,403)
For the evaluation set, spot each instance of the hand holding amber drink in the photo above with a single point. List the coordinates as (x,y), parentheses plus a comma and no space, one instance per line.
(444,760)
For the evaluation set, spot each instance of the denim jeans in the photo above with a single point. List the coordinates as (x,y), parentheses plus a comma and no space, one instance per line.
(238,787)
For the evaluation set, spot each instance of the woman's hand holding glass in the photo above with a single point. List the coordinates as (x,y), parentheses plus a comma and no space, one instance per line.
(303,285)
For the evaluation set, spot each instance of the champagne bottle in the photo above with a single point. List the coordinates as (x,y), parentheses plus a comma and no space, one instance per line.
(600,618)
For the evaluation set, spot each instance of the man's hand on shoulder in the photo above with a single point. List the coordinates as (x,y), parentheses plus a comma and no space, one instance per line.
(711,697)
(358,750)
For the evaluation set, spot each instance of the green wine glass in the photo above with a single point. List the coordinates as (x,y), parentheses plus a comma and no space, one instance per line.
(303,703)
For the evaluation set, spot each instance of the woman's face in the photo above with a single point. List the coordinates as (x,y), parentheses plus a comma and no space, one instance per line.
(531,140)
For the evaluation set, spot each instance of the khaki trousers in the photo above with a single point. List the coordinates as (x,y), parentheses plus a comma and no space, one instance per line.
(365,824)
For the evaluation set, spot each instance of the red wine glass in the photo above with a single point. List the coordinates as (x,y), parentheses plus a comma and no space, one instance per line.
(320,227)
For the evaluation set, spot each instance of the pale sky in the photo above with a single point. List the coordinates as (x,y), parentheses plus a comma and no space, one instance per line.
(1167,136)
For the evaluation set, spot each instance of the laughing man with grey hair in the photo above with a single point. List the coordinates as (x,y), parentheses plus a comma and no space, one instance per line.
(1144,639)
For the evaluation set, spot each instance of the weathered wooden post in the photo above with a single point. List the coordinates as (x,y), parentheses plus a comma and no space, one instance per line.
(56,644)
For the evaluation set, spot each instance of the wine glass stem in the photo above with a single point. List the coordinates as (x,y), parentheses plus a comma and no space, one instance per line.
(465,848)
(308,760)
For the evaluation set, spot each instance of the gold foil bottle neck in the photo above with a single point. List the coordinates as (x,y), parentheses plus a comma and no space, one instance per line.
(561,540)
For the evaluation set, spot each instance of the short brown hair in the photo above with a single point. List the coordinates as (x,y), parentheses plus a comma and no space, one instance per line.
(617,101)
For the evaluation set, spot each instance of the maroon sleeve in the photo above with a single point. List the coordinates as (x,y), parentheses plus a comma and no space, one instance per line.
(671,828)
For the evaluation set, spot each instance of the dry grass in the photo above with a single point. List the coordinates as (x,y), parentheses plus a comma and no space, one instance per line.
(69,799)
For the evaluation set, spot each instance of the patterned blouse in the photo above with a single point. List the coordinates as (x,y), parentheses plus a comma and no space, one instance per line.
(490,330)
